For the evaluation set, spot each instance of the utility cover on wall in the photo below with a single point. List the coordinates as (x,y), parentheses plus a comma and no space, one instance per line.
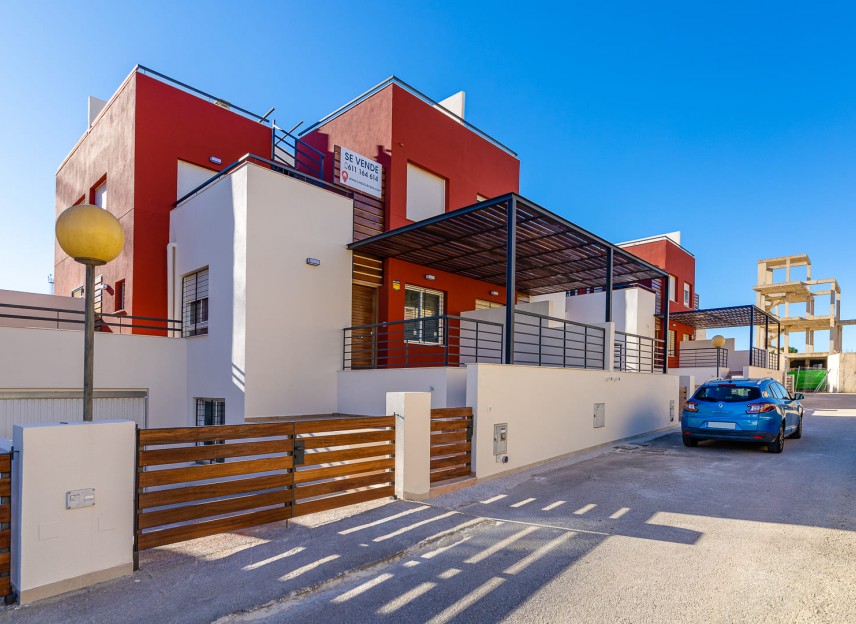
(599,415)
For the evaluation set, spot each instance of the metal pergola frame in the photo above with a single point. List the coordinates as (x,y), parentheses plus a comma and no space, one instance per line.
(513,242)
(733,316)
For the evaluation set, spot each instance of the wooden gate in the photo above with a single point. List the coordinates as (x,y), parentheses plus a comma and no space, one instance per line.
(5,519)
(451,443)
(199,481)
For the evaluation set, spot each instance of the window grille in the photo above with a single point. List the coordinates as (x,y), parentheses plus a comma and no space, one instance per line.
(484,304)
(194,315)
(671,344)
(119,298)
(422,303)
(211,412)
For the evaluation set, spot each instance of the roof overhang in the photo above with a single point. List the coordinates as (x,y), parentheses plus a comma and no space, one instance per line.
(553,254)
(734,316)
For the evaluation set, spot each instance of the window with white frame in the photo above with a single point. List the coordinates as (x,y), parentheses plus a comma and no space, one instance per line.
(194,297)
(99,196)
(421,307)
(687,295)
(672,287)
(426,194)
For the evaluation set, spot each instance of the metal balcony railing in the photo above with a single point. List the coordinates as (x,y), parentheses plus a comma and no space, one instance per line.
(64,318)
(763,359)
(702,358)
(634,353)
(550,341)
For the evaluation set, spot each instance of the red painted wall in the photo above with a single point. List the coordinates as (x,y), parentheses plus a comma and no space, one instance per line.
(145,130)
(680,263)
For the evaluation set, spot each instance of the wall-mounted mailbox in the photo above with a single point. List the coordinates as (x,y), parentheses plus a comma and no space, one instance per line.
(75,499)
(500,439)
(600,415)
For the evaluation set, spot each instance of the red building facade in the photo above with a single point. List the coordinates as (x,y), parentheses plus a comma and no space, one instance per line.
(132,150)
(667,253)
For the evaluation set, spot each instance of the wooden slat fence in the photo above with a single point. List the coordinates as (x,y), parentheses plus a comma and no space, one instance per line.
(199,481)
(5,518)
(451,443)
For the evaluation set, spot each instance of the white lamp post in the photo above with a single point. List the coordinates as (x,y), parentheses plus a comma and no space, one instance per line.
(92,236)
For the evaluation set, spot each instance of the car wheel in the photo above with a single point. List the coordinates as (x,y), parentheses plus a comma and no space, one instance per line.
(778,444)
(688,441)
(796,435)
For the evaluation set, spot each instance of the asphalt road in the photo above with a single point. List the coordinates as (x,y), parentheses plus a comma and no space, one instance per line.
(645,533)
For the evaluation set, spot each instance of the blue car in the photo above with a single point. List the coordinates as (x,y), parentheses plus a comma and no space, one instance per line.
(749,410)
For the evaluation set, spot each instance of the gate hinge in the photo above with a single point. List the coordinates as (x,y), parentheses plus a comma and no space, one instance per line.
(299,452)
(470,432)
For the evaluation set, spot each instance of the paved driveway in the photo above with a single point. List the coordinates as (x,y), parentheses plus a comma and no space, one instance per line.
(644,532)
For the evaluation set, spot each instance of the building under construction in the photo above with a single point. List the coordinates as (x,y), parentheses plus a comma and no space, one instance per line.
(807,306)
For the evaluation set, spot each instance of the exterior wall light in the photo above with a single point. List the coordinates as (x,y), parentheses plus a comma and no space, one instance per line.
(430,277)
(92,236)
(313,262)
(215,160)
(494,293)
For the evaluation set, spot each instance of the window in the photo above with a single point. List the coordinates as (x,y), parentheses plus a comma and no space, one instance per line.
(78,293)
(672,295)
(671,345)
(211,412)
(421,303)
(426,194)
(119,296)
(99,195)
(194,297)
(483,304)
(727,394)
(687,295)
(687,337)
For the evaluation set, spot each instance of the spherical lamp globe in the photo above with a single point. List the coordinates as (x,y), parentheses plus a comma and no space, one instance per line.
(89,234)
(718,341)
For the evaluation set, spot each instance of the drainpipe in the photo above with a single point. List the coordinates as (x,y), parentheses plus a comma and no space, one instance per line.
(170,282)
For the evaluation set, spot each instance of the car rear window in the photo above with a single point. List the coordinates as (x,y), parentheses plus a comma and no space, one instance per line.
(727,394)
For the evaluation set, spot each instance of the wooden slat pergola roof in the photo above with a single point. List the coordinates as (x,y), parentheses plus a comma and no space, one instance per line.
(553,254)
(734,316)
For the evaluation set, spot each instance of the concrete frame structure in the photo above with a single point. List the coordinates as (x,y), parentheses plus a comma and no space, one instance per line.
(778,296)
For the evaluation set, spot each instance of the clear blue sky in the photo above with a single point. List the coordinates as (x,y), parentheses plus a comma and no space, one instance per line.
(733,122)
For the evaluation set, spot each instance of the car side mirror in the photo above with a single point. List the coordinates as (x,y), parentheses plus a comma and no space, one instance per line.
(799,396)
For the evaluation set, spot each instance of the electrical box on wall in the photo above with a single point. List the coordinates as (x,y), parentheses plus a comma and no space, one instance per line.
(500,439)
(599,415)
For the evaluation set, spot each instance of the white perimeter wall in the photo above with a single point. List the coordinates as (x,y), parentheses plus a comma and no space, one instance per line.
(549,411)
(364,391)
(842,372)
(53,359)
(632,310)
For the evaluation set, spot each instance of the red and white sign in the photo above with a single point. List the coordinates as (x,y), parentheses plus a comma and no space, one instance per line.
(359,173)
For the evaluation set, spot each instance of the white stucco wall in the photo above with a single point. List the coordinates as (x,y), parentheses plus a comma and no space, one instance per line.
(53,359)
(549,411)
(364,391)
(51,319)
(274,346)
(632,310)
(842,372)
(57,549)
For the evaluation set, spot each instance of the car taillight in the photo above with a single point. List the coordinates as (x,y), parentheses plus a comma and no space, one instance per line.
(691,407)
(760,408)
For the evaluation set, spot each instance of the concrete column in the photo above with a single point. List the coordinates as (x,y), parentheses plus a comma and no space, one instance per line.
(608,345)
(412,412)
(73,506)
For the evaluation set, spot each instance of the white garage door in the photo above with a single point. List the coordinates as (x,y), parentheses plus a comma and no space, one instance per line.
(23,407)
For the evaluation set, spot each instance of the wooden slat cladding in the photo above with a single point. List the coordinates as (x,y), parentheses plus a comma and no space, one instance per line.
(5,516)
(369,211)
(197,481)
(226,500)
(367,269)
(321,486)
(451,443)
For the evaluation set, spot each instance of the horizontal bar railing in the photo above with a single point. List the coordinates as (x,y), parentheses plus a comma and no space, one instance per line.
(549,341)
(279,167)
(304,157)
(61,318)
(442,340)
(635,353)
(763,359)
(703,357)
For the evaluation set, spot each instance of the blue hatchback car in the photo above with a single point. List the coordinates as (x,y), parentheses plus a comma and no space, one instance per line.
(750,410)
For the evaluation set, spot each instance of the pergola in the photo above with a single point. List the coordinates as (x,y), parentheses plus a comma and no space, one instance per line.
(749,316)
(512,242)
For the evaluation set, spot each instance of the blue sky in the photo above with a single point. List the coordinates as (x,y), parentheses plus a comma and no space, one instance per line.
(733,122)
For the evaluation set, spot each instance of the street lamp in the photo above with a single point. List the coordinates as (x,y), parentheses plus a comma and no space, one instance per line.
(718,341)
(92,236)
